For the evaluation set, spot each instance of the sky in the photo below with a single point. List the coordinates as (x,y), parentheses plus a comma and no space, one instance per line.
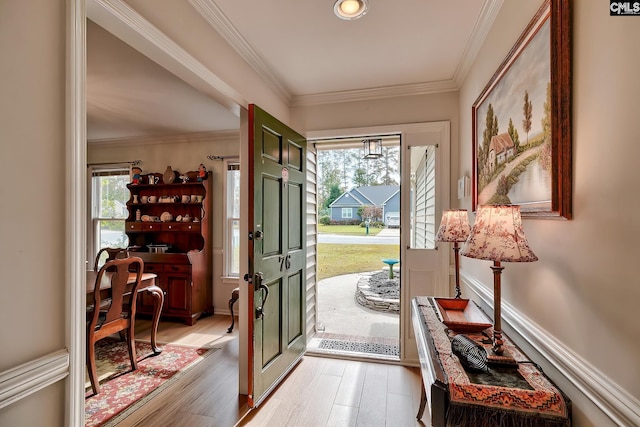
(531,72)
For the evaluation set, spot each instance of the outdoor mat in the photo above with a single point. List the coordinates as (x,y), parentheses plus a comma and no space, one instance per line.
(353,344)
(123,391)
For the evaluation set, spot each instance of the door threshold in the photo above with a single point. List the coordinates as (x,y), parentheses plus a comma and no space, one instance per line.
(354,347)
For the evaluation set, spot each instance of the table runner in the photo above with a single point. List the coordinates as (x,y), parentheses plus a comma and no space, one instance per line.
(483,405)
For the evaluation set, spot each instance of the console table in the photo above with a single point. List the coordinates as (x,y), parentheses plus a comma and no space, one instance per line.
(519,395)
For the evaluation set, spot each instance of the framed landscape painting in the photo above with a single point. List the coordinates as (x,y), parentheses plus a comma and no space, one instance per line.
(522,122)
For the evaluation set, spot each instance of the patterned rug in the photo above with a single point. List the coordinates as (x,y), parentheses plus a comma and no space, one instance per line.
(123,391)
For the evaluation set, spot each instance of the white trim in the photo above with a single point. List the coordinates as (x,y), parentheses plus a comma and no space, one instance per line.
(76,205)
(26,379)
(124,22)
(488,14)
(165,139)
(226,260)
(618,404)
(218,21)
(374,93)
(221,24)
(408,349)
(311,273)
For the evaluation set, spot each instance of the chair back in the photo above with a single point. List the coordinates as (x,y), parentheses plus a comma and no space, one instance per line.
(117,311)
(107,254)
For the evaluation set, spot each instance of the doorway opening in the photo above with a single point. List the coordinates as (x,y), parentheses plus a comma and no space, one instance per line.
(358,248)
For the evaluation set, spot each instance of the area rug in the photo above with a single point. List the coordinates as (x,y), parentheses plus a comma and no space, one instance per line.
(123,391)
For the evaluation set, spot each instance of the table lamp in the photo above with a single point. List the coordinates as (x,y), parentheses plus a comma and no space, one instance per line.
(454,227)
(497,236)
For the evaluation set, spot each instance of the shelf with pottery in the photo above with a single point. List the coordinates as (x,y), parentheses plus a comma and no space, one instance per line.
(173,237)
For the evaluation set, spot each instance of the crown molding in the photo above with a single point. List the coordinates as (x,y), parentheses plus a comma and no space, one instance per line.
(488,14)
(125,23)
(219,22)
(216,18)
(216,136)
(374,93)
(119,15)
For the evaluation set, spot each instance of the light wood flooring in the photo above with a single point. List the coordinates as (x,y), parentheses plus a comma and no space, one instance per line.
(320,391)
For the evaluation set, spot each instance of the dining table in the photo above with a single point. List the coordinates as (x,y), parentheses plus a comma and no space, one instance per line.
(147,284)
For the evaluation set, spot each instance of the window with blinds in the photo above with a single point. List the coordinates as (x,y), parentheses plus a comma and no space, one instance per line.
(423,230)
(232,213)
(109,196)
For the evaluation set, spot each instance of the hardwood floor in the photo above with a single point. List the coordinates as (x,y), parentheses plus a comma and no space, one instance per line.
(320,391)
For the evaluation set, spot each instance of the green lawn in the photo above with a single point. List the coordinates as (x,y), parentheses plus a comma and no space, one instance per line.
(350,230)
(335,259)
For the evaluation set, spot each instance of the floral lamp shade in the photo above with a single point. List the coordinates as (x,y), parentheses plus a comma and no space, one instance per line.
(454,226)
(497,235)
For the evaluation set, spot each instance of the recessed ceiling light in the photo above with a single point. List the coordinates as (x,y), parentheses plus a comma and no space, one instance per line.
(350,9)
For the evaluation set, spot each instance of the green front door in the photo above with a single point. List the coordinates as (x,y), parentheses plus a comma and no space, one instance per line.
(277,253)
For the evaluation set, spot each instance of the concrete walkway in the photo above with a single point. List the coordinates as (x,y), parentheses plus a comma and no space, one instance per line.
(340,313)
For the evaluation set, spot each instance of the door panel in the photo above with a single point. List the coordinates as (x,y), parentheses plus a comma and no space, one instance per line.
(295,216)
(272,340)
(178,287)
(295,156)
(294,323)
(276,253)
(272,216)
(424,193)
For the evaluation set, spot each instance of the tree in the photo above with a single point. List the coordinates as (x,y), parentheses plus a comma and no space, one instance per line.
(328,174)
(527,111)
(390,168)
(346,168)
(370,212)
(544,159)
(334,193)
(546,118)
(360,178)
(490,130)
(513,133)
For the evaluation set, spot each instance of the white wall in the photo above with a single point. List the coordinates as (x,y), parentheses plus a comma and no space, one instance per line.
(32,198)
(183,153)
(584,290)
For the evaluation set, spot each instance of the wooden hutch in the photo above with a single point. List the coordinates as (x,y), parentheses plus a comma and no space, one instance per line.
(173,237)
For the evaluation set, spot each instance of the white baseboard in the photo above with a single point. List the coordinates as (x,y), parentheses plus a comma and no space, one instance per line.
(620,406)
(21,381)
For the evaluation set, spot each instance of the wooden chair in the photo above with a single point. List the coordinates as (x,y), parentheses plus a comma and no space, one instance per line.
(118,316)
(235,294)
(112,253)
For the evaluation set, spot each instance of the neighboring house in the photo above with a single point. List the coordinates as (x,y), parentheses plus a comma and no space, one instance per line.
(345,208)
(500,149)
